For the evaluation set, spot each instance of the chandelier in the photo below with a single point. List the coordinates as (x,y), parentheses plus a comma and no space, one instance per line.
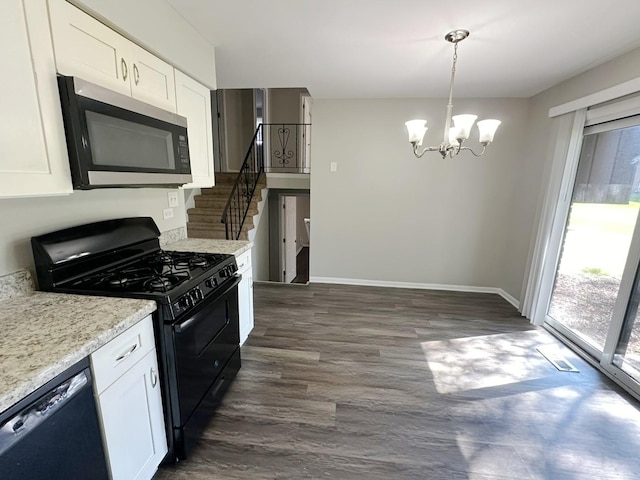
(454,134)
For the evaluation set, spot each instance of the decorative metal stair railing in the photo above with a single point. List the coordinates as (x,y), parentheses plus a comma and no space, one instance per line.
(287,149)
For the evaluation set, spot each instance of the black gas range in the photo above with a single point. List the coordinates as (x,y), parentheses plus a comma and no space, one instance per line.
(196,324)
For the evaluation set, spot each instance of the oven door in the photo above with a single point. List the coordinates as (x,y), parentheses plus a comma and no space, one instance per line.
(114,140)
(204,341)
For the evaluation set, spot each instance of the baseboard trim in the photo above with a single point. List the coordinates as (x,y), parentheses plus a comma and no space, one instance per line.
(509,298)
(419,286)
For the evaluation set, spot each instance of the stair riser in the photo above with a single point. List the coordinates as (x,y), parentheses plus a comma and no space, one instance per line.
(215,212)
(215,227)
(225,189)
(218,205)
(197,233)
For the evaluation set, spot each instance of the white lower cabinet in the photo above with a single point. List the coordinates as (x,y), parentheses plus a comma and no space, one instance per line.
(245,295)
(129,401)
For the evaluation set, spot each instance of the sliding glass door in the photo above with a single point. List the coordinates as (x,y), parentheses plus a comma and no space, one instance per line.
(626,354)
(596,296)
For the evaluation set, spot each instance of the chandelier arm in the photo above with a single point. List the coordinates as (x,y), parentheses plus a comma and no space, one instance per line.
(484,147)
(426,149)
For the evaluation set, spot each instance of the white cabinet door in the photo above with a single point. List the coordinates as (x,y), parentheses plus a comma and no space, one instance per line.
(87,48)
(34,157)
(194,103)
(245,295)
(152,79)
(133,423)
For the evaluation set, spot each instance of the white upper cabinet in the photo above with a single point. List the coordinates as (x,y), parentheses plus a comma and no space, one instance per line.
(87,48)
(34,157)
(152,79)
(194,103)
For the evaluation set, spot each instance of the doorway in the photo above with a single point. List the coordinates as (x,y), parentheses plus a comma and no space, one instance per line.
(289,236)
(596,291)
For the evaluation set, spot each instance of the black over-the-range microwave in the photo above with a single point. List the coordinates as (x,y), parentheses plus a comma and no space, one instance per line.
(118,141)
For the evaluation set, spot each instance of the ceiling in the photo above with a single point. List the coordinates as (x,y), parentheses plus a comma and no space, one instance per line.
(396,49)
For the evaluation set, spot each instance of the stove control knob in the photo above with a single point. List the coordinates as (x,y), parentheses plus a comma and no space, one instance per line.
(196,295)
(211,282)
(186,302)
(224,273)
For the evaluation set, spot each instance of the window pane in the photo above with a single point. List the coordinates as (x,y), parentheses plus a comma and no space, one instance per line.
(602,218)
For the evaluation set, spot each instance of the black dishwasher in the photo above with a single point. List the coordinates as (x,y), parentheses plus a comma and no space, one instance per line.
(54,432)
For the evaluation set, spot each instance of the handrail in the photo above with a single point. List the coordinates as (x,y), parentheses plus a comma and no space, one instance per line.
(287,145)
(237,207)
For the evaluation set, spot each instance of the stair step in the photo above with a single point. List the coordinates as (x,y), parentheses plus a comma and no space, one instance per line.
(197,232)
(215,212)
(218,203)
(248,225)
(223,190)
(226,178)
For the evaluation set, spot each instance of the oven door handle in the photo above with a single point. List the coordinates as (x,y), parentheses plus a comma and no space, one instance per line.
(181,327)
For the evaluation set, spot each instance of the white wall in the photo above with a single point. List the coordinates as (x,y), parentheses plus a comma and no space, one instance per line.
(155,25)
(387,216)
(26,217)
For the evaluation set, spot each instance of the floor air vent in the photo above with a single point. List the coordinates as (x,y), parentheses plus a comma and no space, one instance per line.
(557,360)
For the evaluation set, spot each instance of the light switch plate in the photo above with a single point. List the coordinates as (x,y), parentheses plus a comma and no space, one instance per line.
(173,199)
(334,166)
(167,213)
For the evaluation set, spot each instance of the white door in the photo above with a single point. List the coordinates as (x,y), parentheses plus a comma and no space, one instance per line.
(290,234)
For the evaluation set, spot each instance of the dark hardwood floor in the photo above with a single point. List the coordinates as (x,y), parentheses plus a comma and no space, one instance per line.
(347,382)
(302,266)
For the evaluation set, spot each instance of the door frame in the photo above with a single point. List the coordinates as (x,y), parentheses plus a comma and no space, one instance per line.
(275,228)
(601,360)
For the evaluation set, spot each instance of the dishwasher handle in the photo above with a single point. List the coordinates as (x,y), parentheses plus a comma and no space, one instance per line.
(28,419)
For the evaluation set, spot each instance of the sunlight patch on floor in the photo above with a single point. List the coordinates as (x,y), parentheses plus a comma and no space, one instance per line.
(487,361)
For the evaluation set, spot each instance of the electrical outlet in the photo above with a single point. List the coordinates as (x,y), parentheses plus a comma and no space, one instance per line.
(173,199)
(167,213)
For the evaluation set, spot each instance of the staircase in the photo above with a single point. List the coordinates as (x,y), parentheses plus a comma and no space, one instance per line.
(205,218)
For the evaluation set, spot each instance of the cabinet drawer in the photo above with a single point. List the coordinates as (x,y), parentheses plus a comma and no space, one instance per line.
(121,353)
(244,261)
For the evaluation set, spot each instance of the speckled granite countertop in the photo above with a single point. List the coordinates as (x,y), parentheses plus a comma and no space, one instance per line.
(205,245)
(45,333)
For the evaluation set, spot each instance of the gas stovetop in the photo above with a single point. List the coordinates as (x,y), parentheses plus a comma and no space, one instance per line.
(122,258)
(161,272)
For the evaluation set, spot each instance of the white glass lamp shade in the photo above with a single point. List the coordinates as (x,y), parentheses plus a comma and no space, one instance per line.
(487,130)
(416,130)
(452,137)
(463,124)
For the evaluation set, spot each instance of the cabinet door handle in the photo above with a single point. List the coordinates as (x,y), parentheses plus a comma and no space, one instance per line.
(154,377)
(125,70)
(136,74)
(127,353)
